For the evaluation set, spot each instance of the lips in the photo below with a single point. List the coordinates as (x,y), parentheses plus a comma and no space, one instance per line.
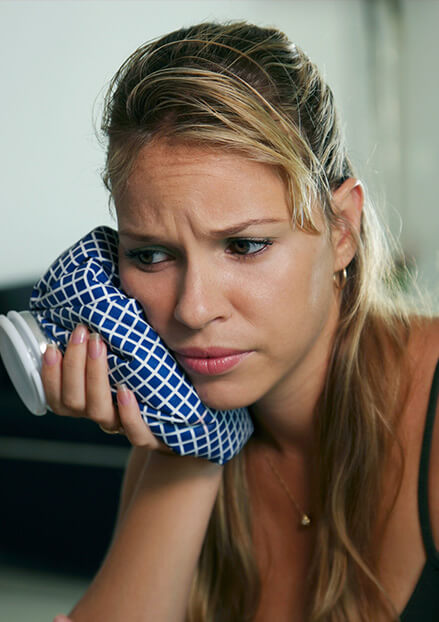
(205,353)
(210,361)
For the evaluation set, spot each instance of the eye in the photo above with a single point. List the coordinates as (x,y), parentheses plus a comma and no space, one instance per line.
(147,256)
(248,247)
(242,248)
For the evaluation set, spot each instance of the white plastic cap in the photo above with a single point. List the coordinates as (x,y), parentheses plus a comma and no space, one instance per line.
(22,345)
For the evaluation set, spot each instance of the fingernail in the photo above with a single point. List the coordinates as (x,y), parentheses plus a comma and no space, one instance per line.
(94,346)
(123,394)
(79,335)
(51,354)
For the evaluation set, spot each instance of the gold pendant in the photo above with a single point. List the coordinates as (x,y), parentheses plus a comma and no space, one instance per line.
(306,521)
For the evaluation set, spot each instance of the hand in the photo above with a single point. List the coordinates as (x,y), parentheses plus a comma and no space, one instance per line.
(77,385)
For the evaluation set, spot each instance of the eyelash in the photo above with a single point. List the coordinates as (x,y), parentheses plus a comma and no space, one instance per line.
(137,253)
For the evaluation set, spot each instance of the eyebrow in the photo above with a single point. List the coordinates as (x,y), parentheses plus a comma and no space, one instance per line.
(216,233)
(243,225)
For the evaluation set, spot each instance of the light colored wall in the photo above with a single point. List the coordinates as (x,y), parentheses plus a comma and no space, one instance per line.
(420,109)
(55,60)
(404,90)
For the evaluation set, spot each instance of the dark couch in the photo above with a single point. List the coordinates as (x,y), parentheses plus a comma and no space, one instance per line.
(60,480)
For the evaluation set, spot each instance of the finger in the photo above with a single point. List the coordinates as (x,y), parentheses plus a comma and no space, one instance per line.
(136,430)
(73,371)
(100,407)
(51,374)
(118,430)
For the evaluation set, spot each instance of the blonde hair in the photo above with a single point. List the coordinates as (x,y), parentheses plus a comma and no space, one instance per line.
(247,89)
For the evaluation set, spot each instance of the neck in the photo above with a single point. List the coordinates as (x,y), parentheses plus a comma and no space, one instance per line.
(285,418)
(287,425)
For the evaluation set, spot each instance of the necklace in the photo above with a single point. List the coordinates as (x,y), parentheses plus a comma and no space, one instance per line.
(305,519)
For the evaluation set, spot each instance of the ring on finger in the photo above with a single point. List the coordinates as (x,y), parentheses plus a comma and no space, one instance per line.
(119,430)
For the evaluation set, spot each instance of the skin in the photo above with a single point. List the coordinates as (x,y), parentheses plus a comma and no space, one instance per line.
(282,305)
(277,301)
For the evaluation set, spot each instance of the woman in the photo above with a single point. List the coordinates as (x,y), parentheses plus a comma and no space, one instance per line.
(247,239)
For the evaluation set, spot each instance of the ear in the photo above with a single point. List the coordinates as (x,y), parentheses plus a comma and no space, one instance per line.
(347,203)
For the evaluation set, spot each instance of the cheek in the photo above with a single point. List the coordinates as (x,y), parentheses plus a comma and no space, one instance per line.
(155,298)
(130,279)
(298,293)
(320,286)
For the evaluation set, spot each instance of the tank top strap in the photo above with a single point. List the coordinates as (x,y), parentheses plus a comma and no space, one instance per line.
(424,514)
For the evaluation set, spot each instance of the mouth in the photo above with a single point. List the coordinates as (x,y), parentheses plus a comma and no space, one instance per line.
(210,361)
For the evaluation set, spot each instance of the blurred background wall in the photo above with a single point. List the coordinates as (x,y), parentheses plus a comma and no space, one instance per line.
(380,57)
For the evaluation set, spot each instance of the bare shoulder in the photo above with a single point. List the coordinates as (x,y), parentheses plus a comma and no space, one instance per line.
(424,355)
(423,351)
(425,335)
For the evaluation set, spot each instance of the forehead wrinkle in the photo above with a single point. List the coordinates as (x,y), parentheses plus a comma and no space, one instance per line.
(166,220)
(161,221)
(152,200)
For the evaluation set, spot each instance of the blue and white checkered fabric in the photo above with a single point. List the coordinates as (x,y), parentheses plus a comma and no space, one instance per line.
(82,286)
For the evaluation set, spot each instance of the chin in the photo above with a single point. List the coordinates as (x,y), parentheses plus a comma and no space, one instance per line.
(224,405)
(222,399)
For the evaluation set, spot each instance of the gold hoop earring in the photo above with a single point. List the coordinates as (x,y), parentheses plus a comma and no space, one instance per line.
(340,278)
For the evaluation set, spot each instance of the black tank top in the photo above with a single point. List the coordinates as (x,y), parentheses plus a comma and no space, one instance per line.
(423,605)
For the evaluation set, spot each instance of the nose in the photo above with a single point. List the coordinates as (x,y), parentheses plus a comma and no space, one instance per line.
(201,298)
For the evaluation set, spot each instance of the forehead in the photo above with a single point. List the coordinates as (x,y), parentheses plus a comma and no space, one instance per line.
(217,186)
